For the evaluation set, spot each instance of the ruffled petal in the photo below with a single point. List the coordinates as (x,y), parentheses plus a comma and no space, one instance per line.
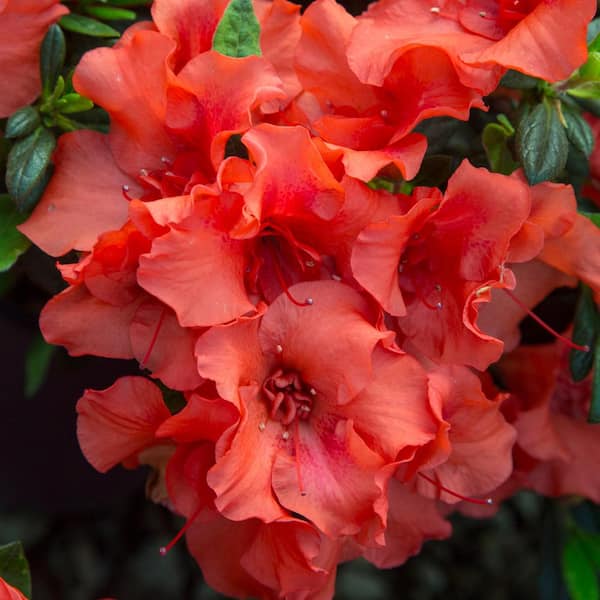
(130,82)
(84,197)
(85,325)
(117,423)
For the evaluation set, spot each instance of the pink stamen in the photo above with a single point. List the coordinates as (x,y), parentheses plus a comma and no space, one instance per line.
(163,550)
(297,457)
(569,343)
(437,484)
(154,338)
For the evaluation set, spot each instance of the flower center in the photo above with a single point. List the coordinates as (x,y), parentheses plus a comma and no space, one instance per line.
(288,398)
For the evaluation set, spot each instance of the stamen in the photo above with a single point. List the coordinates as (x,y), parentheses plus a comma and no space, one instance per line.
(154,338)
(435,10)
(286,435)
(163,550)
(312,391)
(482,13)
(284,286)
(143,172)
(310,263)
(279,348)
(569,343)
(125,191)
(261,426)
(437,484)
(309,301)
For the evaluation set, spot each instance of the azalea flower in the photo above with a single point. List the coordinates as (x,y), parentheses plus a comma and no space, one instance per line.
(23,25)
(8,592)
(478,39)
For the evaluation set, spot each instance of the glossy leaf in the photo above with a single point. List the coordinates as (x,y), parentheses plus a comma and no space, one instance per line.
(579,132)
(22,122)
(87,26)
(110,13)
(14,568)
(27,167)
(52,57)
(12,242)
(495,139)
(518,81)
(585,331)
(73,103)
(238,31)
(542,143)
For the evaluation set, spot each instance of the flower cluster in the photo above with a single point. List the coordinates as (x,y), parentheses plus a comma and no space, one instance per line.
(328,341)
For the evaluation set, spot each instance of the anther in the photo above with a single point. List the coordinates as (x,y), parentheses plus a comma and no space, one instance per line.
(439,305)
(279,348)
(482,13)
(309,301)
(164,160)
(312,391)
(261,426)
(435,10)
(384,114)
(335,277)
(310,263)
(143,172)
(285,435)
(125,187)
(438,287)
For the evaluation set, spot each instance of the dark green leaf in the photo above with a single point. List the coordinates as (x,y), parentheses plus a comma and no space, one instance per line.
(542,143)
(591,546)
(87,26)
(585,330)
(495,139)
(37,363)
(108,13)
(238,31)
(592,106)
(52,57)
(518,81)
(593,217)
(14,568)
(579,132)
(73,103)
(579,572)
(174,400)
(587,90)
(22,123)
(27,167)
(12,242)
(594,414)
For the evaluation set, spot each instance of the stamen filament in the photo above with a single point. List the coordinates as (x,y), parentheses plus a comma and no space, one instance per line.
(437,484)
(297,457)
(562,338)
(154,338)
(163,550)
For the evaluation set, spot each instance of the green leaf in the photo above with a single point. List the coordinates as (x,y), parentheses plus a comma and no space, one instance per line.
(22,122)
(37,363)
(591,545)
(130,2)
(12,242)
(109,13)
(238,31)
(579,572)
(495,139)
(27,167)
(591,68)
(87,26)
(586,90)
(585,330)
(52,57)
(518,81)
(594,414)
(542,143)
(592,34)
(579,132)
(73,103)
(593,217)
(14,568)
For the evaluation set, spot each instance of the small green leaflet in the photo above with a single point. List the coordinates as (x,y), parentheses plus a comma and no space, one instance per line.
(12,242)
(238,32)
(495,139)
(14,568)
(52,58)
(580,566)
(87,26)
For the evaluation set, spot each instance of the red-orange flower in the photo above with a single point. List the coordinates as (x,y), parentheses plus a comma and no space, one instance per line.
(8,592)
(23,24)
